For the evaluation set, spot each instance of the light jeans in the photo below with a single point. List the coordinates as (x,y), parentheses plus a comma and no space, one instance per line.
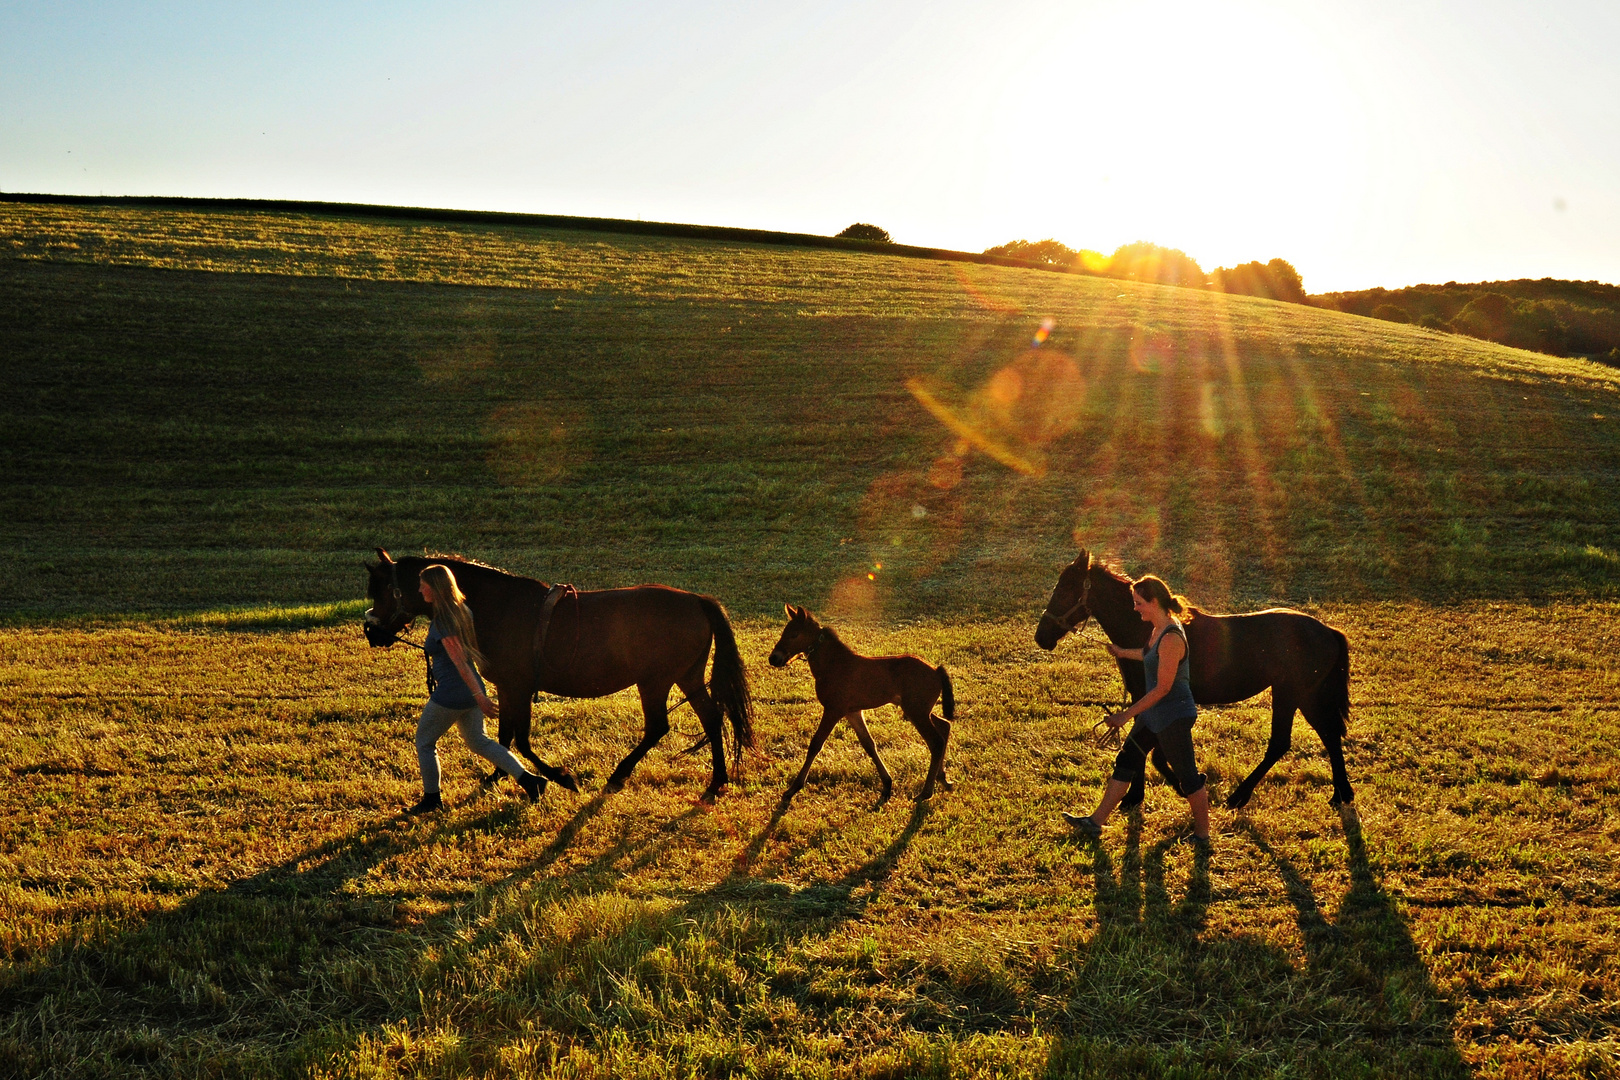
(438,719)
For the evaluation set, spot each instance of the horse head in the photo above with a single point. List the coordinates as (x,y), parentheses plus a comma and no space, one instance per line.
(395,600)
(1070,604)
(801,634)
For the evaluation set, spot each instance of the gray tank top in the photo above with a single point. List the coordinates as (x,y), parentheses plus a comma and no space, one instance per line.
(1178,703)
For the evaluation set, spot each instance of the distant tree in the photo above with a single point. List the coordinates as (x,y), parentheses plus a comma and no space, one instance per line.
(1392,313)
(1275,280)
(1047,252)
(1142,261)
(862,231)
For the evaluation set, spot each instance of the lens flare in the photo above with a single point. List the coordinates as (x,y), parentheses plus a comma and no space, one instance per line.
(1048,324)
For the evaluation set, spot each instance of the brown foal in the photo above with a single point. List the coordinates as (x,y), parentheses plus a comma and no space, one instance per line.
(847,683)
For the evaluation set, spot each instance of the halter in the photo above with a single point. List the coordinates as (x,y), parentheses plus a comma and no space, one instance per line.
(1062,621)
(821,639)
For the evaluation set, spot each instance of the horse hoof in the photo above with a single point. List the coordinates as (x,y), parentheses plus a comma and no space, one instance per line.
(567,782)
(946,784)
(614,785)
(1237,800)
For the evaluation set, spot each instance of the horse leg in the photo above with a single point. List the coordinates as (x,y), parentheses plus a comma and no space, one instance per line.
(511,714)
(655,711)
(857,720)
(923,721)
(943,727)
(828,719)
(1282,733)
(1326,727)
(515,728)
(709,715)
(1164,770)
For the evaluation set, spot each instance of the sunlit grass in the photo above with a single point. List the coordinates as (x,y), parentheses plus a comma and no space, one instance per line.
(202,872)
(203,866)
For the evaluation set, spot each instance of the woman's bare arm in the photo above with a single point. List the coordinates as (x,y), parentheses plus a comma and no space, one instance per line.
(1171,649)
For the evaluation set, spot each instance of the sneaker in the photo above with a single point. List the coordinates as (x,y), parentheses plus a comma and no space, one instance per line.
(1199,844)
(429,803)
(531,784)
(1084,824)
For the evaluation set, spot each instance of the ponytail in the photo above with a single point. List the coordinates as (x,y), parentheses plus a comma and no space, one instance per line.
(1149,587)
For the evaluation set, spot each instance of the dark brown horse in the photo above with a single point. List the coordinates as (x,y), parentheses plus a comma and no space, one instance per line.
(1305,662)
(847,683)
(583,644)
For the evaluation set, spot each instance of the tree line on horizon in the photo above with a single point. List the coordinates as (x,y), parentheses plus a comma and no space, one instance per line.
(1561,318)
(1142,261)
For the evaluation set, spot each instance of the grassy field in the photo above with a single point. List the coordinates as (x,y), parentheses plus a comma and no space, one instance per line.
(213,418)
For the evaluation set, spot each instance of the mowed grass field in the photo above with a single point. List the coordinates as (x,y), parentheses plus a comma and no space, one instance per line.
(214,417)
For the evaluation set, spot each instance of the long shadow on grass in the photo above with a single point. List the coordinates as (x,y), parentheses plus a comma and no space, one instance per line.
(1152,992)
(246,973)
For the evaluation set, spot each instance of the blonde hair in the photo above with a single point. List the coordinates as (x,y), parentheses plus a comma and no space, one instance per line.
(450,612)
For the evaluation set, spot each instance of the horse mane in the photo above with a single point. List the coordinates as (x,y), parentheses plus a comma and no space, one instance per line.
(451,558)
(462,560)
(1189,610)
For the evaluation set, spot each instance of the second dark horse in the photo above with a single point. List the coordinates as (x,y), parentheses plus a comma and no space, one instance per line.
(1305,662)
(593,644)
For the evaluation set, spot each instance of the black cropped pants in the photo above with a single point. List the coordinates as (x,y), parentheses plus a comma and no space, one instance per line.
(1177,745)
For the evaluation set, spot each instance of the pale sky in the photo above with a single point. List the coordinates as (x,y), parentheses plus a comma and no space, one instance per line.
(1369,143)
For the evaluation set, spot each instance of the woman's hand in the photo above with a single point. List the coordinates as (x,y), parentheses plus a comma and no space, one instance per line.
(1115,721)
(1122,654)
(489,708)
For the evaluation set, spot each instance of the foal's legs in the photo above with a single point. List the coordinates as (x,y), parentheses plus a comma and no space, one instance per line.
(655,710)
(1283,705)
(858,722)
(828,719)
(925,724)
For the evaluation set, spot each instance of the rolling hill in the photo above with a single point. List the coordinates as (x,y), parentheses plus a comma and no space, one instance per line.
(213,408)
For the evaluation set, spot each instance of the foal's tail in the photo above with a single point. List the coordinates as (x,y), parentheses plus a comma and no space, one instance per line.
(1333,693)
(948,703)
(728,681)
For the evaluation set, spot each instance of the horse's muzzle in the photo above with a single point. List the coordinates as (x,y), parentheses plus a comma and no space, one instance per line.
(377,636)
(776,660)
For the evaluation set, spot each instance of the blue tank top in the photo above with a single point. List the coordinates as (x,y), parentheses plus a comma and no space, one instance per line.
(1178,703)
(449,690)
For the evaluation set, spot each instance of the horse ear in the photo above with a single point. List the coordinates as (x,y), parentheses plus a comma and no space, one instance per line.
(1083,559)
(383,555)
(789,609)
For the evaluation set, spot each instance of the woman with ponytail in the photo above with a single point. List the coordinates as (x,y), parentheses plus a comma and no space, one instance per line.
(1164,715)
(458,698)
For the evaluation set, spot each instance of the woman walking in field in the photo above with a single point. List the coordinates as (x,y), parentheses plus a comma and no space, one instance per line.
(1164,715)
(458,698)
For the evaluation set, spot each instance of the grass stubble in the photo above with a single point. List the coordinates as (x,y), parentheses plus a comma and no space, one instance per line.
(203,873)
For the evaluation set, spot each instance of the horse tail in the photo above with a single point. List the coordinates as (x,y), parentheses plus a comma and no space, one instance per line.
(728,681)
(1333,695)
(948,704)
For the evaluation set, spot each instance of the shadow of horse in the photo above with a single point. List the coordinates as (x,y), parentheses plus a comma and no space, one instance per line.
(1150,986)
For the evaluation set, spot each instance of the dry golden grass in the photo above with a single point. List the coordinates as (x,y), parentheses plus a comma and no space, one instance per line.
(202,871)
(205,873)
